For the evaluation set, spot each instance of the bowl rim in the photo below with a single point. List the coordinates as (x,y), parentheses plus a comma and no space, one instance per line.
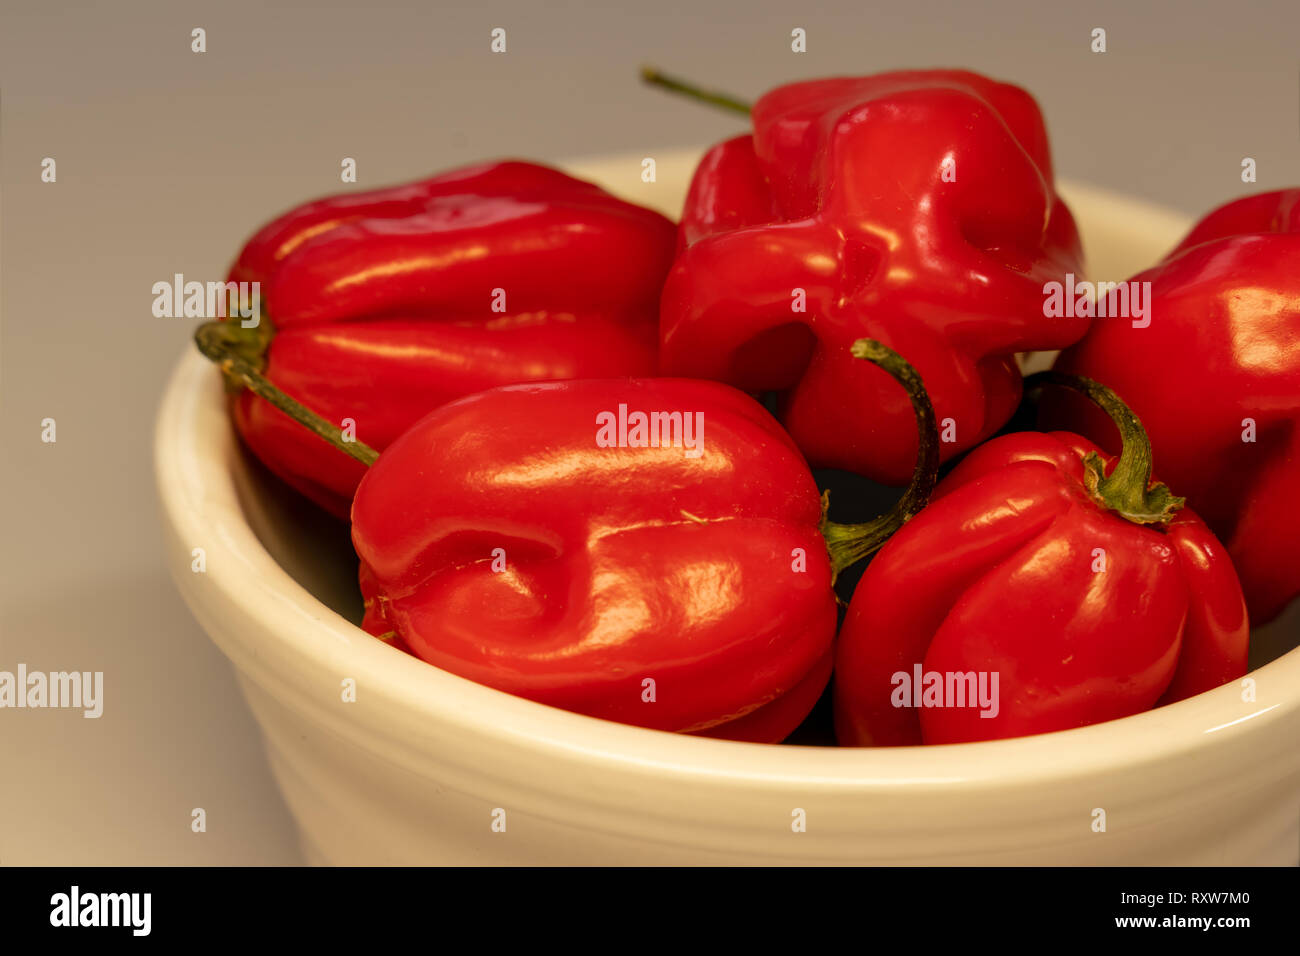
(194,471)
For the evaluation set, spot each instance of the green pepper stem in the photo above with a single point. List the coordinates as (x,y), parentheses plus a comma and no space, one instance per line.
(1128,490)
(850,543)
(726,101)
(238,355)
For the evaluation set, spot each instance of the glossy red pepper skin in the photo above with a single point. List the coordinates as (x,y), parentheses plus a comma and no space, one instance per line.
(841,192)
(383,301)
(1222,346)
(997,575)
(621,564)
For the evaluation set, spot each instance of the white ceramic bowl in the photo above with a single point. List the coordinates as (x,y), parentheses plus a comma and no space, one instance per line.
(419,767)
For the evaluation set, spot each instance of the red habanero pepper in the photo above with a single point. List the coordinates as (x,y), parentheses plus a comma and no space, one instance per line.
(1214,373)
(616,565)
(1072,594)
(914,208)
(390,303)
(569,541)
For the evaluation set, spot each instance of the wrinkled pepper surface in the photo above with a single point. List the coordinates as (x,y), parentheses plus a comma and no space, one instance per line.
(387,304)
(617,565)
(517,539)
(1215,377)
(915,208)
(1052,575)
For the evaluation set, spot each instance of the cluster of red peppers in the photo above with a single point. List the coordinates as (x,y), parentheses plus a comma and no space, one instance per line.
(575,495)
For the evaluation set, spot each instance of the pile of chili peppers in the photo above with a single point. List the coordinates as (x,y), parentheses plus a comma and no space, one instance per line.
(579,437)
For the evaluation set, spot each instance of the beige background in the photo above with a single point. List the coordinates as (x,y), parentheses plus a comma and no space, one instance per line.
(168,159)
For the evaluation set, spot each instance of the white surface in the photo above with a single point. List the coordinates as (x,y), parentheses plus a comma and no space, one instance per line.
(412,771)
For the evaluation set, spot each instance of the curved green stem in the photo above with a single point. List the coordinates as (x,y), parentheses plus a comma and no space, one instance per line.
(239,356)
(1127,490)
(850,543)
(726,101)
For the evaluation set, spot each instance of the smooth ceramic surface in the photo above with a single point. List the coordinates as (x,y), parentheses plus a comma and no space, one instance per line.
(424,767)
